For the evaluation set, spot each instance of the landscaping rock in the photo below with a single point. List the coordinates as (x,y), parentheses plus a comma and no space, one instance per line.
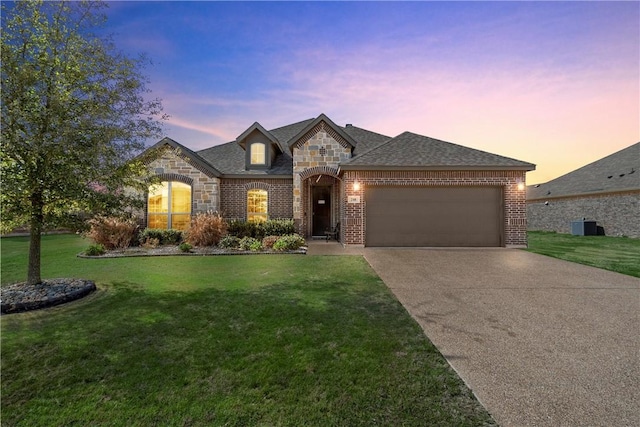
(22,297)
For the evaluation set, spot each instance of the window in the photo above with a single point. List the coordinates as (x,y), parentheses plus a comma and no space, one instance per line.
(257,203)
(258,153)
(169,205)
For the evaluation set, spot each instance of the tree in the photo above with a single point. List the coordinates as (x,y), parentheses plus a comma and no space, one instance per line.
(75,114)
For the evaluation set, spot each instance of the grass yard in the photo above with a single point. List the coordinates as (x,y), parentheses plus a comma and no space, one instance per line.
(619,254)
(234,340)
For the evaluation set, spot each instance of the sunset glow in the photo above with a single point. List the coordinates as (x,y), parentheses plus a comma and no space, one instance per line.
(551,83)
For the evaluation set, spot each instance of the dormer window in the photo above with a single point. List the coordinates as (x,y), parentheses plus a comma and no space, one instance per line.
(258,153)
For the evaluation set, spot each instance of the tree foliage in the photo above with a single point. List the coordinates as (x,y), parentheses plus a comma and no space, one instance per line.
(75,113)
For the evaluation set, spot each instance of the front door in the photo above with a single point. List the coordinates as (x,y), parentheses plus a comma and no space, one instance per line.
(321,209)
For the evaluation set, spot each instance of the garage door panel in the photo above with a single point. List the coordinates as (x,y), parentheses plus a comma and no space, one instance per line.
(428,216)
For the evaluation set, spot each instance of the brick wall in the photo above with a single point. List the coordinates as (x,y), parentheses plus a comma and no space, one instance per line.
(234,196)
(515,209)
(618,214)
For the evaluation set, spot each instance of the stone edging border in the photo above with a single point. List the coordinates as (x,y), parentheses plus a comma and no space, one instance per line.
(221,253)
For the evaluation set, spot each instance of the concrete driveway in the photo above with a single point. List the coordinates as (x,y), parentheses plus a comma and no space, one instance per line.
(541,342)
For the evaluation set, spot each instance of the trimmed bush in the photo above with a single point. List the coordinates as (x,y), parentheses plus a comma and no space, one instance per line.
(278,227)
(95,250)
(185,247)
(112,232)
(206,229)
(229,242)
(250,244)
(258,230)
(240,229)
(289,242)
(163,236)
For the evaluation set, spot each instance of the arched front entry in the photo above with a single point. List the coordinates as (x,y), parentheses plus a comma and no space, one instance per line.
(321,206)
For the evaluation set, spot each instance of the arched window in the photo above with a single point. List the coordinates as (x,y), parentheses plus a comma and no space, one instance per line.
(258,153)
(257,205)
(169,205)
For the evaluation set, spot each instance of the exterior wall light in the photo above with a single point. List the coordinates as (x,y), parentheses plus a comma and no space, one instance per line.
(356,186)
(520,186)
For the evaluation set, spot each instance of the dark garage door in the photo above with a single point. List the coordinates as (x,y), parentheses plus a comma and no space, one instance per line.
(434,216)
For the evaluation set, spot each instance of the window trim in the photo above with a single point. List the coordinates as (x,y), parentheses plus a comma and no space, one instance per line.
(264,153)
(264,215)
(170,213)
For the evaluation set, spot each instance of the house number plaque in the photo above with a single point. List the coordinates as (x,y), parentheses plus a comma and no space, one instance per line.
(354,199)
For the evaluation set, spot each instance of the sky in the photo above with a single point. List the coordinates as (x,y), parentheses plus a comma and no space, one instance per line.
(556,84)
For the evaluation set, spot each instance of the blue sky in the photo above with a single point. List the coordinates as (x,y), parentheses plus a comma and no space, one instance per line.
(552,83)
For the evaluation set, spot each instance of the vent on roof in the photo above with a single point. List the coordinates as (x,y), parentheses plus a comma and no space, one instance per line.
(348,125)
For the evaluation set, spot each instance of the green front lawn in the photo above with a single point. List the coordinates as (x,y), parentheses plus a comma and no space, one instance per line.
(232,340)
(619,254)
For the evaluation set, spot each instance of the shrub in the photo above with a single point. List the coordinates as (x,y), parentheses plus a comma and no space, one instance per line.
(206,229)
(164,237)
(150,243)
(229,242)
(258,230)
(112,232)
(269,241)
(185,247)
(240,229)
(250,244)
(290,242)
(95,250)
(278,227)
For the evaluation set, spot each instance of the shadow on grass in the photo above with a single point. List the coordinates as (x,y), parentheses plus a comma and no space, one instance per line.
(314,353)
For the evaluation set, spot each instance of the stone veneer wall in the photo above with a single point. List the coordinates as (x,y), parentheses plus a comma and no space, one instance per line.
(515,213)
(618,214)
(234,196)
(320,150)
(205,190)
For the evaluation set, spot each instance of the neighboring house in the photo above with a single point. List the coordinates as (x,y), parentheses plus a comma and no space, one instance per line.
(410,190)
(606,191)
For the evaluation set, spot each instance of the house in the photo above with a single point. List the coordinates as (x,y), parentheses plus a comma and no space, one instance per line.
(606,191)
(408,190)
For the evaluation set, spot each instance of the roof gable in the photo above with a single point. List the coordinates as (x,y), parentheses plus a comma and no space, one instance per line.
(321,123)
(410,150)
(619,171)
(184,153)
(257,127)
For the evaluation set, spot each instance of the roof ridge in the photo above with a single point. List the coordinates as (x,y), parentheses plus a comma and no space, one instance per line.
(359,156)
(292,124)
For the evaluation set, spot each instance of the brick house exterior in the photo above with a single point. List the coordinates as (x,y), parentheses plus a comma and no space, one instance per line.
(321,175)
(606,191)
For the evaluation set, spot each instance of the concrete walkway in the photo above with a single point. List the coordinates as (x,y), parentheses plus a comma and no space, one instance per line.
(540,341)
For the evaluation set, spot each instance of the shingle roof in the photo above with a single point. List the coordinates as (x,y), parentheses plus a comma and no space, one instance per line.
(409,150)
(192,157)
(229,159)
(371,150)
(617,172)
(366,140)
(285,133)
